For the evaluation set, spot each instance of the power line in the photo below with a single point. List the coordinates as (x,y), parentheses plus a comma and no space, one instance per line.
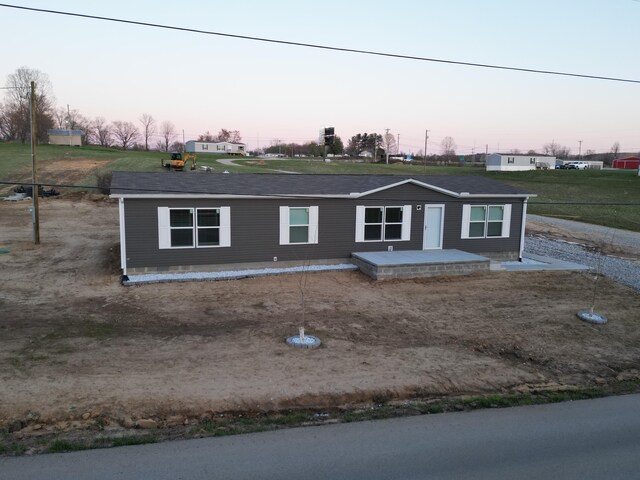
(320,47)
(202,192)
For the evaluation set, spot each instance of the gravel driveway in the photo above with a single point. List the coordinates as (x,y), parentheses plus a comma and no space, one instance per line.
(626,271)
(625,239)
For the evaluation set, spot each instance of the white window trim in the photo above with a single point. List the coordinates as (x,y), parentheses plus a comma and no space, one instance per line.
(164,227)
(192,227)
(224,228)
(312,226)
(405,229)
(466,221)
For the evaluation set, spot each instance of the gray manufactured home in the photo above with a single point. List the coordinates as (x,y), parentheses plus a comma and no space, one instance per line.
(179,222)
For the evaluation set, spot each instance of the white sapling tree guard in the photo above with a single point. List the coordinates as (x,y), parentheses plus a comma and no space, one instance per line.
(302,340)
(589,315)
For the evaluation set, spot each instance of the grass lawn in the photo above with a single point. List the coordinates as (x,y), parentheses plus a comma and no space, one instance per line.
(561,193)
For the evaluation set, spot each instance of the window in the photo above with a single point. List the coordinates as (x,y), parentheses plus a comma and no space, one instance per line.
(477,221)
(532,161)
(181,226)
(511,159)
(383,224)
(208,227)
(486,221)
(205,146)
(194,227)
(298,225)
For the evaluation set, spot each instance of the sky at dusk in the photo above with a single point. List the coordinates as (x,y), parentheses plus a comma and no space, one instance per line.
(269,91)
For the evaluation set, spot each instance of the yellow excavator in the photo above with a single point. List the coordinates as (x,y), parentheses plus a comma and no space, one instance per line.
(179,160)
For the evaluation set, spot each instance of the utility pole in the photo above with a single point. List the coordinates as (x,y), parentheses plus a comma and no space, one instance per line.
(35,216)
(580,149)
(426,137)
(69,123)
(375,147)
(386,141)
(398,145)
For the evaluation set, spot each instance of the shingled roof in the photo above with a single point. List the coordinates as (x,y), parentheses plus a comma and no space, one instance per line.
(177,184)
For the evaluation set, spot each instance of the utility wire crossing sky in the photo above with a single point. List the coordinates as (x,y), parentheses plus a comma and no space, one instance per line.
(324,47)
(202,79)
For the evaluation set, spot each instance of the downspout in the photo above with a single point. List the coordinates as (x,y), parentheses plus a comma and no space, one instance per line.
(524,224)
(123,244)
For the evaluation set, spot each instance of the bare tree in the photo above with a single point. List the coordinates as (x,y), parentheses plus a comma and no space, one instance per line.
(389,140)
(148,128)
(60,118)
(16,109)
(7,126)
(556,150)
(235,136)
(126,134)
(168,132)
(224,135)
(448,146)
(206,137)
(177,147)
(615,149)
(100,132)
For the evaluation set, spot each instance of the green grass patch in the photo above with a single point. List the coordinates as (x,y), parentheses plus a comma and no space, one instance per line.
(569,194)
(575,195)
(132,440)
(12,448)
(252,422)
(61,446)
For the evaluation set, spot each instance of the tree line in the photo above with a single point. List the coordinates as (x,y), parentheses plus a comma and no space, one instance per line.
(15,124)
(149,134)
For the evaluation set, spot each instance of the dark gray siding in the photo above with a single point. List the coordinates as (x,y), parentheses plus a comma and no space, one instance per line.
(255,229)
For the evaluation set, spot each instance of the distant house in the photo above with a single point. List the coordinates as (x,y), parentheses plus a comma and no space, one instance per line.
(220,148)
(65,137)
(509,162)
(182,222)
(629,163)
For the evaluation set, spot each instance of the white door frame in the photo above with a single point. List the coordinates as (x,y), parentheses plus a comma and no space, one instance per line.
(424,230)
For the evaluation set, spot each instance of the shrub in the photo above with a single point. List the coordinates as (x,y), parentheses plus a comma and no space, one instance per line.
(103,182)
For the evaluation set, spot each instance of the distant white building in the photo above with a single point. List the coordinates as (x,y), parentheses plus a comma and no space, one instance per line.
(65,137)
(220,148)
(508,162)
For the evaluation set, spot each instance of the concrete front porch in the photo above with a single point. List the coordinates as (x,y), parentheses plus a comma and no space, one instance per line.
(419,263)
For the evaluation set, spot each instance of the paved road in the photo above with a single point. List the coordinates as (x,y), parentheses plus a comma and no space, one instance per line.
(593,439)
(227,161)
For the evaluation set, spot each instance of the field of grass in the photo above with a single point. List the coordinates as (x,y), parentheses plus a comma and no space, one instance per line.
(584,196)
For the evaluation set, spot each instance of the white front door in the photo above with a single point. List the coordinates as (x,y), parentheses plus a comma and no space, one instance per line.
(433,225)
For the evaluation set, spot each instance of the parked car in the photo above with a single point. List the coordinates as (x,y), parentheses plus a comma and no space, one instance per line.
(560,166)
(577,165)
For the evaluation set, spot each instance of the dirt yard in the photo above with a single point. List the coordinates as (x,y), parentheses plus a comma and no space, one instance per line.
(75,344)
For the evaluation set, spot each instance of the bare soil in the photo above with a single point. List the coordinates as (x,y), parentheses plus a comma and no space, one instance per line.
(75,344)
(59,171)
